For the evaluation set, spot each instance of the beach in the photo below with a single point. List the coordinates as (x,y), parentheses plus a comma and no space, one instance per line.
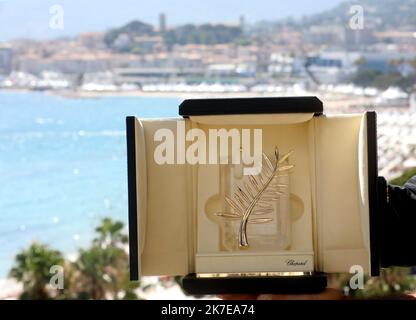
(10,289)
(334,102)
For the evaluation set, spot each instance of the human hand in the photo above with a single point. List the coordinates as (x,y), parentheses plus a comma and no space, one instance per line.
(327,294)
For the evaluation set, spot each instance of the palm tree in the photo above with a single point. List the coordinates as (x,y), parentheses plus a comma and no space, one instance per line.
(102,269)
(110,233)
(91,279)
(32,268)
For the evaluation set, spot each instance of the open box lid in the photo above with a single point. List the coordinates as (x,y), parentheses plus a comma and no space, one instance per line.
(137,171)
(203,107)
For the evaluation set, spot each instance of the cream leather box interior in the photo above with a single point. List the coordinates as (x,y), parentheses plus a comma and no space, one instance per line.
(174,229)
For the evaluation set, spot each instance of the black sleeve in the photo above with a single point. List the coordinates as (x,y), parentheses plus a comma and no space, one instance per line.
(398,226)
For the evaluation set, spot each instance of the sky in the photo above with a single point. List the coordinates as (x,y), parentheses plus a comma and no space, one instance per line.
(31,18)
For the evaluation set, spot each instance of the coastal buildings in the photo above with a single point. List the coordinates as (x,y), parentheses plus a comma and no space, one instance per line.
(397,142)
(6,59)
(332,66)
(275,58)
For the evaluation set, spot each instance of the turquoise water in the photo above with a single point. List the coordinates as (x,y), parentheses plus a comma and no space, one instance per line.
(63,167)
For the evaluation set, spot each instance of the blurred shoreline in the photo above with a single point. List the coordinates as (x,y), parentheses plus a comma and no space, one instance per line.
(10,289)
(333,102)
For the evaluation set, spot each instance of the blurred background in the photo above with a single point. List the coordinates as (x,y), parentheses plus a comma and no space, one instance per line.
(71,71)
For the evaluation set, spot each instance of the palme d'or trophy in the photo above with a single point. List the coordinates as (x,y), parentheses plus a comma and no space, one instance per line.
(311,209)
(256,200)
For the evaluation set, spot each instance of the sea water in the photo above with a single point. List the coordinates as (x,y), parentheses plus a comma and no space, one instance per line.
(63,167)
